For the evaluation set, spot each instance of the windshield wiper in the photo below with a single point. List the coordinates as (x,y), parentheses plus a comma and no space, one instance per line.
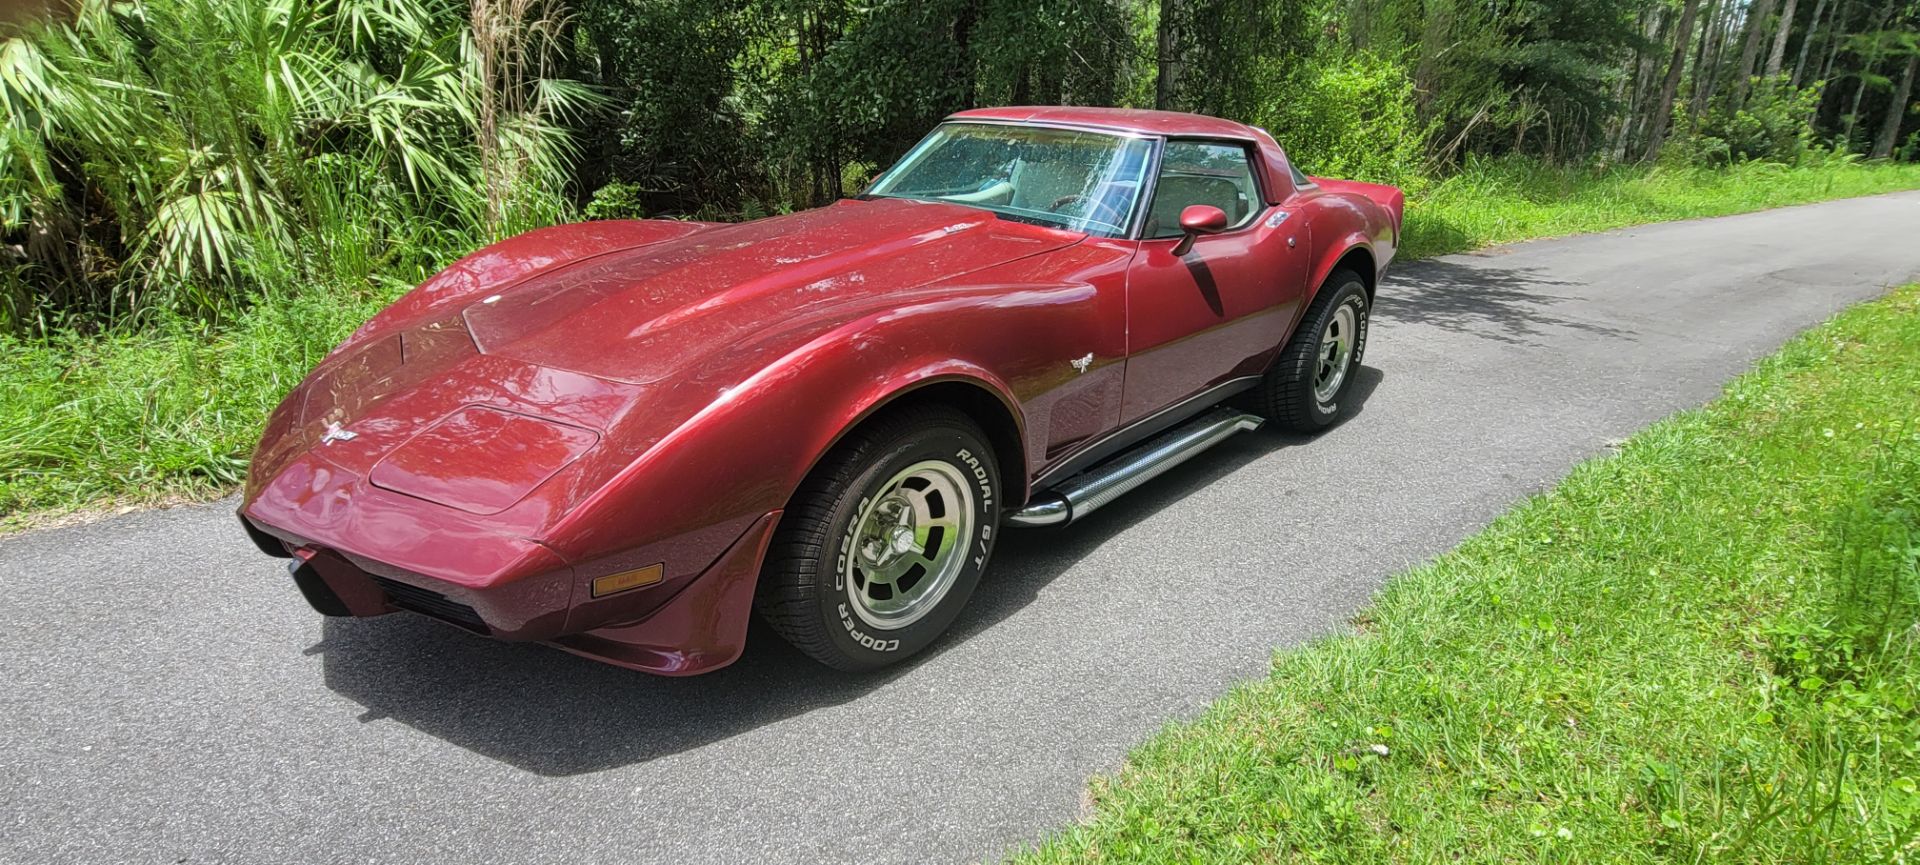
(1010,215)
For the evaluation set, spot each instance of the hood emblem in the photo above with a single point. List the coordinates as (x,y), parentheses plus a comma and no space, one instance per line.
(1081,364)
(336,434)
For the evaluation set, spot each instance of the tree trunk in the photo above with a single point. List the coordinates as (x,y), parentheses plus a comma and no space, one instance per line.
(1867,64)
(1723,40)
(1708,16)
(1853,112)
(1833,39)
(963,23)
(1663,107)
(1168,59)
(1624,92)
(1750,52)
(1835,20)
(1633,118)
(1778,55)
(1896,112)
(1433,41)
(1806,42)
(1703,60)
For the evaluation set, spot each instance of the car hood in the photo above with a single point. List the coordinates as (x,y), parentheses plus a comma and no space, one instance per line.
(640,315)
(558,381)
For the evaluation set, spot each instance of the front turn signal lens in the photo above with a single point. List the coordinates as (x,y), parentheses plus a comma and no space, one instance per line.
(625,580)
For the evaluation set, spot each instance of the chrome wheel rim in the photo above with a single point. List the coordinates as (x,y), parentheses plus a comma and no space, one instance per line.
(909,544)
(1336,352)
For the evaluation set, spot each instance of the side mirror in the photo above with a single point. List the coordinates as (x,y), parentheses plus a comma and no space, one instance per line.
(1198,219)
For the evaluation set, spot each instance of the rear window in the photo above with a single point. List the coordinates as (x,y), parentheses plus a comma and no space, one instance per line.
(1299,177)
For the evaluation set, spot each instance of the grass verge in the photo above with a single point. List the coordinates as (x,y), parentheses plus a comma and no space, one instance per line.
(1507,200)
(143,416)
(172,411)
(1701,648)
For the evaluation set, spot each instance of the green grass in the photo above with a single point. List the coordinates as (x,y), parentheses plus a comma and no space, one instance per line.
(1699,649)
(1503,201)
(145,415)
(172,411)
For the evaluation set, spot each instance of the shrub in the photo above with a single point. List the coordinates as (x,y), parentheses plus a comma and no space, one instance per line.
(1351,117)
(1773,125)
(617,201)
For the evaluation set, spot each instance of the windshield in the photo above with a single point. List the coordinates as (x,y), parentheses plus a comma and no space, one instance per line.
(1081,181)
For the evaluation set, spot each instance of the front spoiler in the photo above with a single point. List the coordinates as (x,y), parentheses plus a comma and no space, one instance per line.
(701,628)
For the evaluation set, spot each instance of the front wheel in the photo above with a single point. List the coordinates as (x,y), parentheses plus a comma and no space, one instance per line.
(882,545)
(1304,389)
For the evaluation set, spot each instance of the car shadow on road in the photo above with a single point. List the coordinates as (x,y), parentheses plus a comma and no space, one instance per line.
(1506,304)
(551,713)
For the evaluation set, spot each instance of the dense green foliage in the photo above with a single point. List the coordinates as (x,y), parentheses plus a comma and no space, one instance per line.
(191,156)
(1701,649)
(1698,650)
(181,155)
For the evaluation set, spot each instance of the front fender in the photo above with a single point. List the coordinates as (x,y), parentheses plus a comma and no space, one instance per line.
(743,452)
(903,384)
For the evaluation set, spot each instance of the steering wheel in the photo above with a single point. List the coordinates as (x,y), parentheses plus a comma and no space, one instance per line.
(1101,209)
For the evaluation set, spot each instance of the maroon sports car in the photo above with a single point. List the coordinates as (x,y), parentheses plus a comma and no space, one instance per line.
(623,438)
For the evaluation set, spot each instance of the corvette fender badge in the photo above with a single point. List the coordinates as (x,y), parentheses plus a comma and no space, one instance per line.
(336,434)
(1278,217)
(1082,364)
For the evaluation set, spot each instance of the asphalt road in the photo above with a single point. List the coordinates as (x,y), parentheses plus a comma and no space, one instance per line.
(165,696)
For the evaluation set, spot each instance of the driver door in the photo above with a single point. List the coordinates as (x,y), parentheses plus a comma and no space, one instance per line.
(1218,311)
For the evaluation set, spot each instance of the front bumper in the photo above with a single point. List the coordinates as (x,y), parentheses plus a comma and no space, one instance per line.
(681,627)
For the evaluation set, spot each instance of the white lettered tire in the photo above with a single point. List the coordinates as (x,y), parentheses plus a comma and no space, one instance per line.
(883,544)
(1306,389)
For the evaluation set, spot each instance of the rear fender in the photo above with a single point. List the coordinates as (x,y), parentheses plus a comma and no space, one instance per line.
(1333,254)
(1391,201)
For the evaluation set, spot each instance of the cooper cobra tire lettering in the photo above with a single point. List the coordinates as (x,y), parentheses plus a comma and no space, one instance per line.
(846,549)
(1359,343)
(846,620)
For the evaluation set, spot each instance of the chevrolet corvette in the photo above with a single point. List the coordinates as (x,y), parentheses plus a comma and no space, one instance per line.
(626,438)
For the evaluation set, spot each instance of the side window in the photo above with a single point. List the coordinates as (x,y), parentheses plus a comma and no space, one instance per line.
(1202,172)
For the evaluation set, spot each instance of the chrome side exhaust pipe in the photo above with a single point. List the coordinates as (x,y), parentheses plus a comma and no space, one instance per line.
(1097,487)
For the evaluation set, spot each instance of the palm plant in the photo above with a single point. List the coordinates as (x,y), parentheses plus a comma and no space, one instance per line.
(181,155)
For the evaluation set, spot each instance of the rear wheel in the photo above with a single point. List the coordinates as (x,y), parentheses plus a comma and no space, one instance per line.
(883,544)
(1304,389)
